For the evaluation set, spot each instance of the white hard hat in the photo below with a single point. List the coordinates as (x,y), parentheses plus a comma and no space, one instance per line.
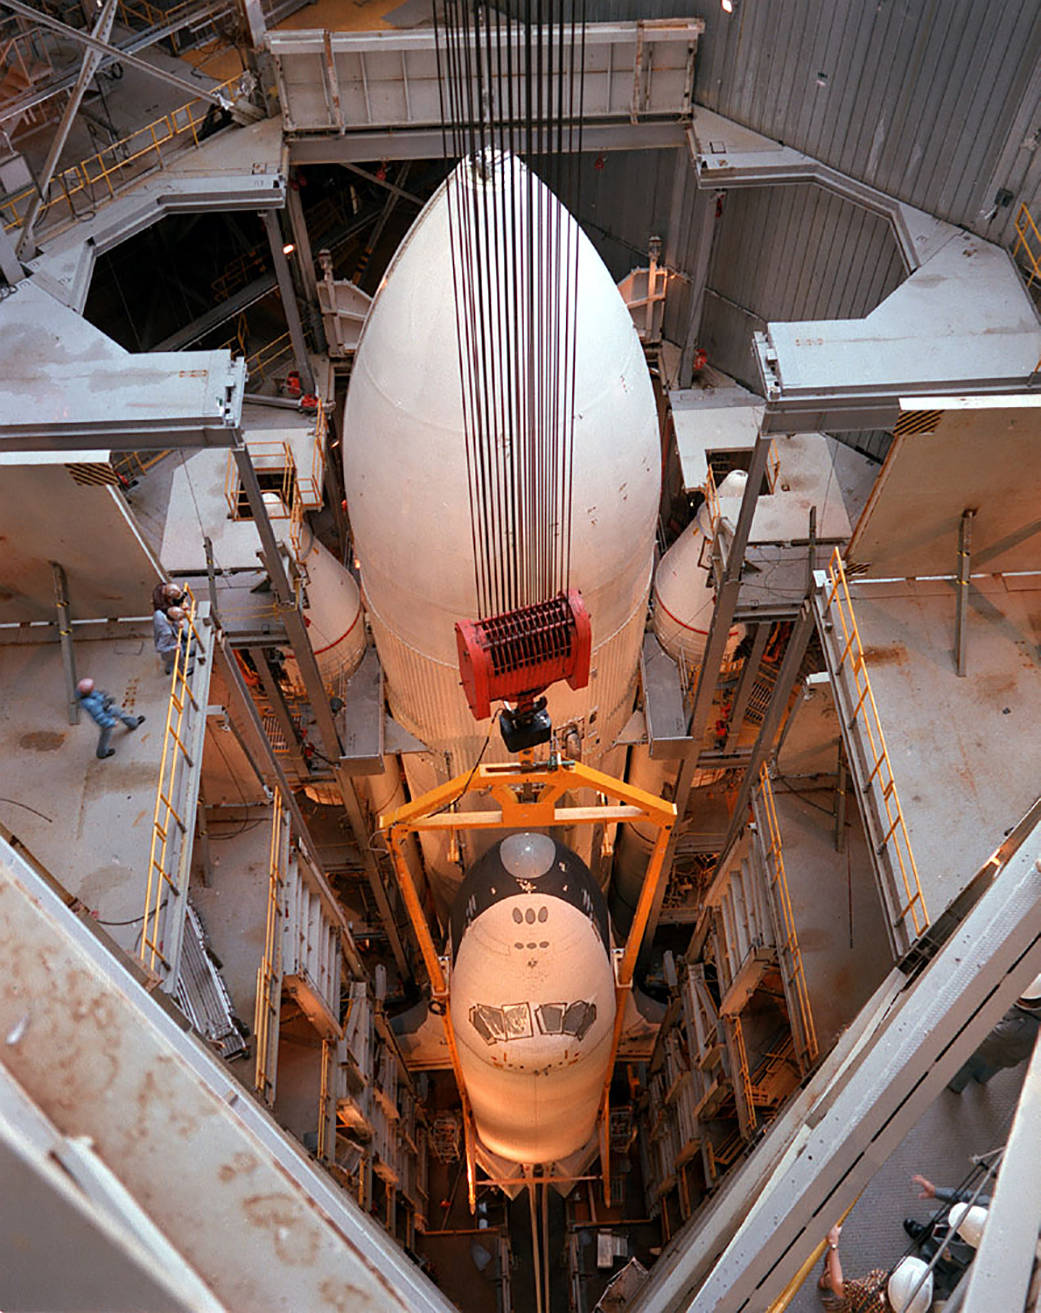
(1031,996)
(968,1222)
(903,1279)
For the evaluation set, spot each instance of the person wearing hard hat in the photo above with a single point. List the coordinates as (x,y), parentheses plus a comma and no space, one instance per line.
(908,1288)
(1008,1044)
(955,1245)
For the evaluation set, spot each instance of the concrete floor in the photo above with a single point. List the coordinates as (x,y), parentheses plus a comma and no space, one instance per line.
(961,787)
(88,821)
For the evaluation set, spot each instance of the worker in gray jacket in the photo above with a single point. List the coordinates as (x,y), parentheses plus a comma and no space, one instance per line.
(1008,1044)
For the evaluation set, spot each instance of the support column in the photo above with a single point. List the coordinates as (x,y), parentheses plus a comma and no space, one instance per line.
(704,225)
(726,602)
(746,684)
(789,672)
(305,262)
(288,294)
(68,656)
(961,617)
(289,612)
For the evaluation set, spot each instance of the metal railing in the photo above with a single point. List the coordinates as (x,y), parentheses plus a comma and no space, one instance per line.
(265,358)
(1028,242)
(894,840)
(268,458)
(324,1118)
(803,1030)
(162,876)
(131,465)
(237,273)
(269,973)
(98,176)
(742,1077)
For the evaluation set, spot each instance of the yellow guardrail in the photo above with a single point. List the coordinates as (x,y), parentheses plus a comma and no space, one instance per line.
(268,458)
(742,1077)
(98,176)
(895,838)
(262,361)
(324,1148)
(1028,241)
(269,972)
(162,879)
(779,881)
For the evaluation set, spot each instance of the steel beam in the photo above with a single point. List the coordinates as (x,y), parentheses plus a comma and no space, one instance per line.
(101,31)
(726,601)
(427,143)
(288,294)
(961,615)
(289,611)
(789,672)
(68,655)
(704,226)
(746,684)
(832,1138)
(124,57)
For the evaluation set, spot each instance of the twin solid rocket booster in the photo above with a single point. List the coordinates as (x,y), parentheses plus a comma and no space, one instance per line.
(463,504)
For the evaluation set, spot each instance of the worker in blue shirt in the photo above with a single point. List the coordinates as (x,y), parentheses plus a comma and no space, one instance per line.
(102,709)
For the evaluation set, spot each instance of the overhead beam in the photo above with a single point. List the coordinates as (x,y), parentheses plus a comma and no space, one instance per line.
(427,143)
(124,57)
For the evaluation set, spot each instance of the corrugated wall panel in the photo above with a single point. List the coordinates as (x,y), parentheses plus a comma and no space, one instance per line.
(920,98)
(791,253)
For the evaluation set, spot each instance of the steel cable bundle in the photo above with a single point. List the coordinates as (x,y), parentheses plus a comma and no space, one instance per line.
(512,88)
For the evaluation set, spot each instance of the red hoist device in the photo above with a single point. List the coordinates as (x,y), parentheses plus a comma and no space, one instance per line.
(515,657)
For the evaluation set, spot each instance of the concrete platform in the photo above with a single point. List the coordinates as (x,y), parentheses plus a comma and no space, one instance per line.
(88,821)
(965,753)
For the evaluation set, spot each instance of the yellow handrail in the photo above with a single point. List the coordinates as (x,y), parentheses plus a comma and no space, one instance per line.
(896,838)
(328,1048)
(161,879)
(742,1076)
(1028,239)
(266,357)
(269,970)
(107,166)
(268,457)
(779,881)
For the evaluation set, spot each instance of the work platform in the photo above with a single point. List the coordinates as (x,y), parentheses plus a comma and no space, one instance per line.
(90,822)
(961,788)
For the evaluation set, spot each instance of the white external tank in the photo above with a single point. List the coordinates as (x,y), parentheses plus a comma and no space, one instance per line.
(684,593)
(413,508)
(532,998)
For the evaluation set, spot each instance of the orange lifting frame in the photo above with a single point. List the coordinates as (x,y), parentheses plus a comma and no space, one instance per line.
(528,795)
